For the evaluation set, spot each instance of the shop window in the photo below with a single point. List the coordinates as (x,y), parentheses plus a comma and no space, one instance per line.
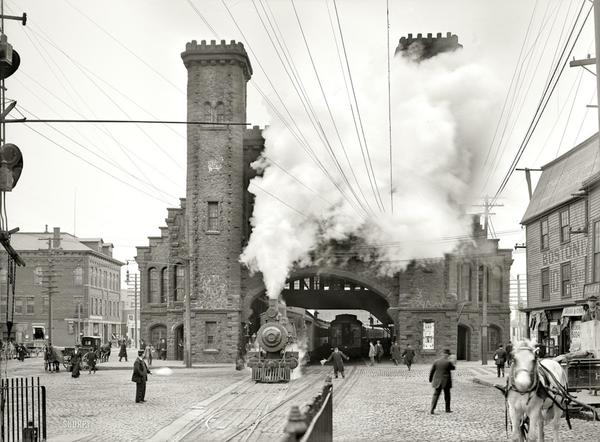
(565,278)
(213,216)
(211,334)
(545,240)
(38,333)
(545,284)
(565,229)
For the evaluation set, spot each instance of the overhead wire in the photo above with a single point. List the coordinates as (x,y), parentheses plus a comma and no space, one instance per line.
(543,103)
(518,99)
(324,95)
(247,44)
(294,76)
(337,16)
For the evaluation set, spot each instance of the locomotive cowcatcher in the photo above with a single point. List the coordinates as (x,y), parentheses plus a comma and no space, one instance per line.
(270,362)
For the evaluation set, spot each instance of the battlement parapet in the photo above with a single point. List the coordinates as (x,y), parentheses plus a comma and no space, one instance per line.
(214,53)
(428,46)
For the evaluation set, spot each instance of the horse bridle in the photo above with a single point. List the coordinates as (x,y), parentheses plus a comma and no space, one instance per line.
(534,374)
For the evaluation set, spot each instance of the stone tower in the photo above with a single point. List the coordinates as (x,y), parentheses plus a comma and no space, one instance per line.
(216,92)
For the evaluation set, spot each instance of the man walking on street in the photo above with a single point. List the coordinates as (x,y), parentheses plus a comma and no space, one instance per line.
(500,359)
(372,353)
(395,351)
(379,351)
(409,356)
(123,351)
(440,377)
(338,362)
(509,349)
(140,376)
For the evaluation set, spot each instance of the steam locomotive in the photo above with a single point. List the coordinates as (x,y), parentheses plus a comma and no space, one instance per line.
(271,361)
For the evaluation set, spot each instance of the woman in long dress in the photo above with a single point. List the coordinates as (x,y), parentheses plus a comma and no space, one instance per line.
(75,362)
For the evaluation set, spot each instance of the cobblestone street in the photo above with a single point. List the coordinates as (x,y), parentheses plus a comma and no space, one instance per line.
(382,403)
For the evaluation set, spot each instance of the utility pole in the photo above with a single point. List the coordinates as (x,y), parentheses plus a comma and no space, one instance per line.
(484,324)
(528,171)
(135,303)
(50,280)
(595,60)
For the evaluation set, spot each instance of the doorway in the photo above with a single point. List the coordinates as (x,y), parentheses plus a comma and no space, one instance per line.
(179,343)
(463,343)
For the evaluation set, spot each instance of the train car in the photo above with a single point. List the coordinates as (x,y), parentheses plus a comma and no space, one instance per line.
(273,359)
(347,333)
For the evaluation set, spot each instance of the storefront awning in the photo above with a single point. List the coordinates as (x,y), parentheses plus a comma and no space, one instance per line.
(576,310)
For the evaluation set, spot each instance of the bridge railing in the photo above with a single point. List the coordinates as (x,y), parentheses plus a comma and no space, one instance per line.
(316,423)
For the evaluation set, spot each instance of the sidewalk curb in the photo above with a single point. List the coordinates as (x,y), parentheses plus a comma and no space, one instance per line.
(181,426)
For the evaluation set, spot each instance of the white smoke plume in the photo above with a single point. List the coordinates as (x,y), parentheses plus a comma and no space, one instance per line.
(441,122)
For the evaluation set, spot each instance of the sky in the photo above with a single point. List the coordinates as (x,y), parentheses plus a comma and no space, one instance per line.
(121,60)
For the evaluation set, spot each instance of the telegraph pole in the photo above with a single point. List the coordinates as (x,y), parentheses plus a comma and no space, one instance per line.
(595,60)
(50,279)
(135,308)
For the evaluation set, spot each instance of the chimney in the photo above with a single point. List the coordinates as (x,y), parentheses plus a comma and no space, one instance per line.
(56,238)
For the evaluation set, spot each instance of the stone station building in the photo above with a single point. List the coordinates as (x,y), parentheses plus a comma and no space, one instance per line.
(433,304)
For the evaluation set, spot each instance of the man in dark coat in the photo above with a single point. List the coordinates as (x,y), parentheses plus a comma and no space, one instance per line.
(91,361)
(123,351)
(440,377)
(379,351)
(140,376)
(500,359)
(409,356)
(75,362)
(509,349)
(162,349)
(338,361)
(395,352)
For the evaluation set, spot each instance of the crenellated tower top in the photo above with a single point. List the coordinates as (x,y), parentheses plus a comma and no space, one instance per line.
(214,53)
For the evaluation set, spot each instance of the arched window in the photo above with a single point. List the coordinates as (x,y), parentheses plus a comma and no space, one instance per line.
(153,285)
(208,112)
(164,284)
(494,338)
(179,289)
(105,279)
(496,284)
(220,112)
(157,332)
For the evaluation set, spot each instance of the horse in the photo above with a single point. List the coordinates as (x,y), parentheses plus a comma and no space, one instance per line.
(535,388)
(104,353)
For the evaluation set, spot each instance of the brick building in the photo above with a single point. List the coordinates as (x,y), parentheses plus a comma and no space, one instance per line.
(85,283)
(563,245)
(433,304)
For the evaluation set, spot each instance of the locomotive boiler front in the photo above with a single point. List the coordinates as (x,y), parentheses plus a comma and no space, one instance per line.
(271,363)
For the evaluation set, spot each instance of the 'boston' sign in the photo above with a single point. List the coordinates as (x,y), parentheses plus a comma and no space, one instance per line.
(565,252)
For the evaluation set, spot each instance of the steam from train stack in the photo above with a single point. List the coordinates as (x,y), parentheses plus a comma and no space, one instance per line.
(440,122)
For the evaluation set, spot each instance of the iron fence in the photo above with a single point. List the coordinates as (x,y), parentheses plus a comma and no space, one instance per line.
(23,410)
(316,423)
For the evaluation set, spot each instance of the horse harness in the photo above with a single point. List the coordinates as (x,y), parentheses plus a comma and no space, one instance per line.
(552,389)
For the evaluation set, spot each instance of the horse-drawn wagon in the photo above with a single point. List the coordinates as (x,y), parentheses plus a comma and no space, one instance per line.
(88,344)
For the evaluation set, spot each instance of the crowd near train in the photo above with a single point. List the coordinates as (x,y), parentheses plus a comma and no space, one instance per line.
(289,336)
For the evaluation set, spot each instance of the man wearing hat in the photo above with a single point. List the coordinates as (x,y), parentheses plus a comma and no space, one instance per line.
(440,377)
(140,376)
